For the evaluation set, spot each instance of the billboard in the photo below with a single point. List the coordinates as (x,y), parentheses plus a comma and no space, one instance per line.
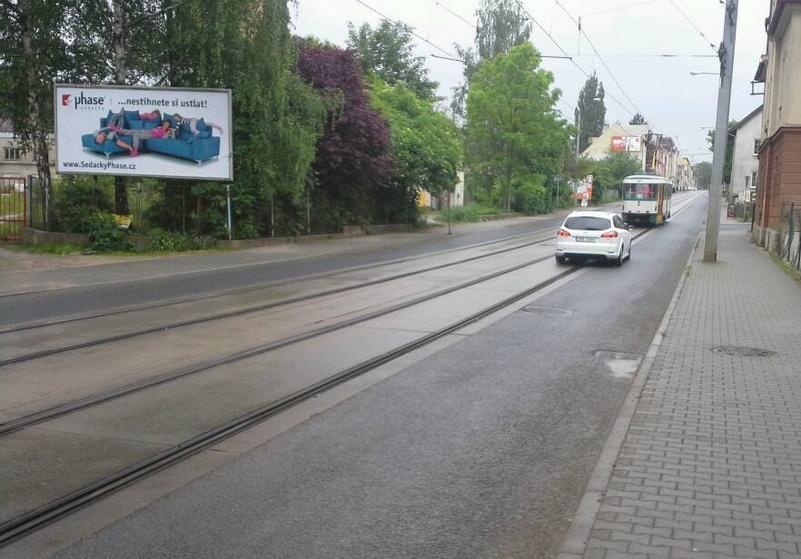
(144,132)
(626,143)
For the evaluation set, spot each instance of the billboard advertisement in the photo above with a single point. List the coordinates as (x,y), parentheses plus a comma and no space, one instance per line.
(626,143)
(144,132)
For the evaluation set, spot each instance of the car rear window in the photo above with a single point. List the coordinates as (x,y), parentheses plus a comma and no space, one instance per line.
(588,223)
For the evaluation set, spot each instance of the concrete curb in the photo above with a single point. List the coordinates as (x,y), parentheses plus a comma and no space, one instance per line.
(575,542)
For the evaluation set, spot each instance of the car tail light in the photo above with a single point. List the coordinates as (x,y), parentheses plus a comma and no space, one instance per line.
(562,233)
(609,235)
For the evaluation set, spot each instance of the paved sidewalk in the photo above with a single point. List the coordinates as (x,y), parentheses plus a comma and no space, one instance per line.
(710,466)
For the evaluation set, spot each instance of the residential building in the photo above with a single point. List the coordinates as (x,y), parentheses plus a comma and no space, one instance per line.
(779,175)
(744,163)
(619,137)
(660,157)
(15,163)
(685,178)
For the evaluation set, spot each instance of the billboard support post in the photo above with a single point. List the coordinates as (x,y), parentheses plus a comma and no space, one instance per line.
(228,191)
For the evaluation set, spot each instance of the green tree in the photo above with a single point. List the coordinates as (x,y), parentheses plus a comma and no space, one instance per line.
(246,46)
(34,53)
(387,52)
(727,163)
(590,111)
(513,131)
(101,27)
(425,148)
(502,24)
(703,175)
(608,173)
(637,119)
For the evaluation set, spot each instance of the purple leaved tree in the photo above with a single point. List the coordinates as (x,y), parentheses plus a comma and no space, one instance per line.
(353,168)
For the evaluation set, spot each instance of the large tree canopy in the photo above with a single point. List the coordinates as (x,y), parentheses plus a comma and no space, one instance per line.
(515,138)
(387,52)
(425,145)
(590,111)
(353,165)
(502,24)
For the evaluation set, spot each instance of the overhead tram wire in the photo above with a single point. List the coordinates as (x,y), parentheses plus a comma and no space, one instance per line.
(711,44)
(576,64)
(620,8)
(457,16)
(614,79)
(389,19)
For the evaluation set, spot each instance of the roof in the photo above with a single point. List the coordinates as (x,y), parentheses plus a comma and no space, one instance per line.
(6,125)
(776,16)
(746,118)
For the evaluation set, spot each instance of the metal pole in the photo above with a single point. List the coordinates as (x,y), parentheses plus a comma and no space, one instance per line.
(557,194)
(448,193)
(726,54)
(578,134)
(228,194)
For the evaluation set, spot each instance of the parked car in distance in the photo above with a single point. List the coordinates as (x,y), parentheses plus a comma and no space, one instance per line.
(593,235)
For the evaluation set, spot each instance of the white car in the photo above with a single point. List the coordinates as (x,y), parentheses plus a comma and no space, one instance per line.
(586,235)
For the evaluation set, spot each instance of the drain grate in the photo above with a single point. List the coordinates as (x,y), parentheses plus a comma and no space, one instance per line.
(546,310)
(743,351)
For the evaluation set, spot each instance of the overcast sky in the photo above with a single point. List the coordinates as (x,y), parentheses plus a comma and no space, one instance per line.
(625,34)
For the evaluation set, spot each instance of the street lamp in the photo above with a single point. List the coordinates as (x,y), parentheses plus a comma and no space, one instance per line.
(704,73)
(578,124)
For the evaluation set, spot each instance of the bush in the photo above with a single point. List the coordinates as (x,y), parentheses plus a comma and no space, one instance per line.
(160,240)
(465,214)
(105,235)
(78,200)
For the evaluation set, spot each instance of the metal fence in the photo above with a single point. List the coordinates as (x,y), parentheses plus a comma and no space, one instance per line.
(13,207)
(789,238)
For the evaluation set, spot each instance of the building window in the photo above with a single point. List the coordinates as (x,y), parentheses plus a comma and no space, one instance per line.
(747,178)
(757,143)
(12,154)
(754,179)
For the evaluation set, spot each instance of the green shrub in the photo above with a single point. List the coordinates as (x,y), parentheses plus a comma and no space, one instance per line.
(160,240)
(105,235)
(465,214)
(78,200)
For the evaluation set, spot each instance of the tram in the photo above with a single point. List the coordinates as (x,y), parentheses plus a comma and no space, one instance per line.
(646,199)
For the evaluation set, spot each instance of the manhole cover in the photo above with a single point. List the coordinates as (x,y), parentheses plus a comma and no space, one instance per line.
(546,310)
(743,351)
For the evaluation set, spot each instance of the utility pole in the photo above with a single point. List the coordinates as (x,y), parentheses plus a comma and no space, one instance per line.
(726,55)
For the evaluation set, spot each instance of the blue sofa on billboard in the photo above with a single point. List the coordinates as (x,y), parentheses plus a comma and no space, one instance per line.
(185,144)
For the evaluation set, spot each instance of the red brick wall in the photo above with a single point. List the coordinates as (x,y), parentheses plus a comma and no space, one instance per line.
(779,182)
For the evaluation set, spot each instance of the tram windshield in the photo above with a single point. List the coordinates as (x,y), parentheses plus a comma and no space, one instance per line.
(641,191)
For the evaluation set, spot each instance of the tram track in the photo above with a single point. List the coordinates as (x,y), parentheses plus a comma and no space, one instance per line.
(58,411)
(237,312)
(34,519)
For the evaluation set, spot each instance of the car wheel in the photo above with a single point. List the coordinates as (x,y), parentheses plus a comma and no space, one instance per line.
(619,259)
(560,259)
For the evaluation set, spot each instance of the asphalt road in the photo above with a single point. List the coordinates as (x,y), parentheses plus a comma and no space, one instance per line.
(482,450)
(60,290)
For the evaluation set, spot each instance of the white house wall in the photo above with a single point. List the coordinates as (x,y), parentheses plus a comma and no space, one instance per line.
(744,162)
